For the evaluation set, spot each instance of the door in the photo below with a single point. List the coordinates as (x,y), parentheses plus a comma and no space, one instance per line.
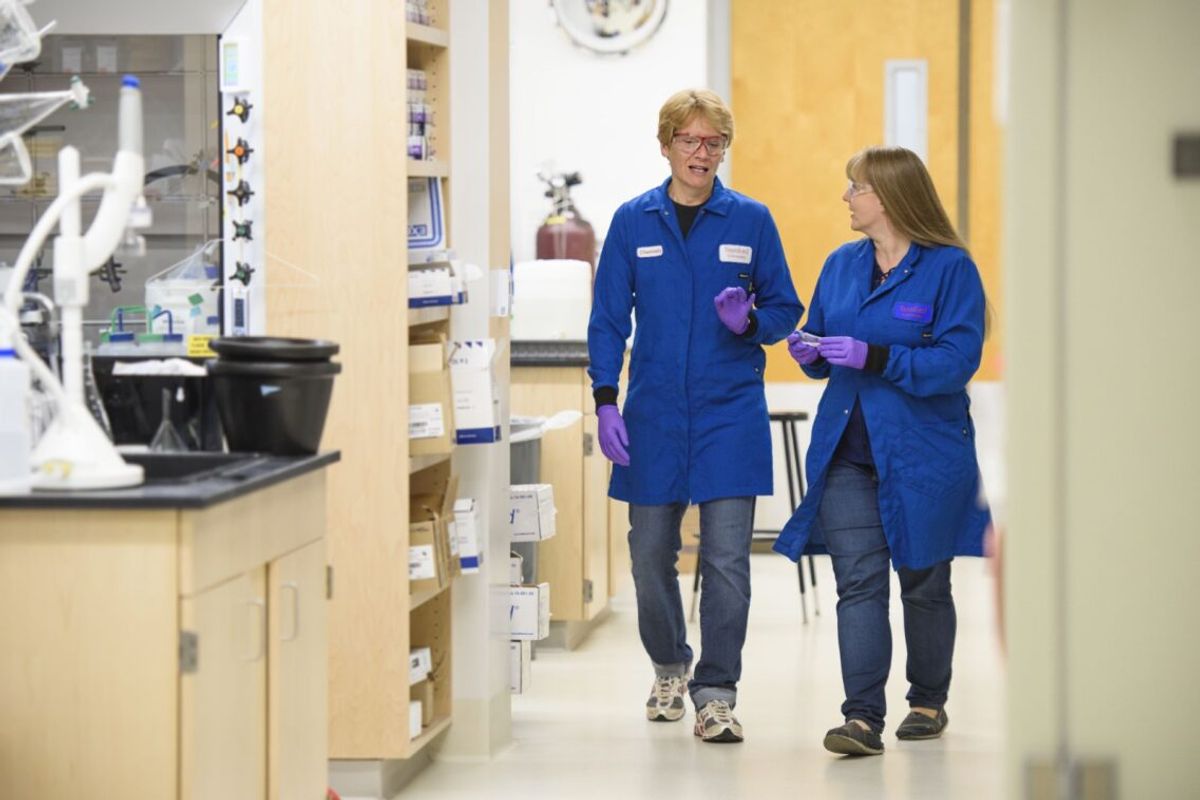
(298,675)
(223,699)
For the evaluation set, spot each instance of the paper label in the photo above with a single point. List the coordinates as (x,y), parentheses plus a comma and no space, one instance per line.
(425,421)
(197,346)
(735,253)
(420,563)
(650,252)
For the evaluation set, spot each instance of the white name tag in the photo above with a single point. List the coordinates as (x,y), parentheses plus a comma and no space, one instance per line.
(650,252)
(736,253)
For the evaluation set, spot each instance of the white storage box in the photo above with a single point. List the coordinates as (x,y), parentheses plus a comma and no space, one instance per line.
(476,402)
(466,526)
(414,719)
(552,300)
(532,512)
(520,656)
(529,613)
(420,662)
(516,564)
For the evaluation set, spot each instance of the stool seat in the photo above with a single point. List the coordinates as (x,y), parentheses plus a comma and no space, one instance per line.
(788,416)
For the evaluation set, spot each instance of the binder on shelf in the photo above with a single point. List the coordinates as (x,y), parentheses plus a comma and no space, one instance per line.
(426,216)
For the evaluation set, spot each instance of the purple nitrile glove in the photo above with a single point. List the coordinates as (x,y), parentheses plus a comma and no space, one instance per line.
(613,437)
(844,351)
(733,307)
(803,352)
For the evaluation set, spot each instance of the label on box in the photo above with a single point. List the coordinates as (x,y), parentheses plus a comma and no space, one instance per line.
(197,346)
(430,286)
(425,421)
(420,662)
(420,563)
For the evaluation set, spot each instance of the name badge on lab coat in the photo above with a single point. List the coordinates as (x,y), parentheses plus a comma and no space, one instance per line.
(735,253)
(650,252)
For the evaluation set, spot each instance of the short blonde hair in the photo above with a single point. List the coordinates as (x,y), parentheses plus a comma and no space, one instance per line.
(682,106)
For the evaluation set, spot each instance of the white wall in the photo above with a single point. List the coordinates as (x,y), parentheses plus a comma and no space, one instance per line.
(597,115)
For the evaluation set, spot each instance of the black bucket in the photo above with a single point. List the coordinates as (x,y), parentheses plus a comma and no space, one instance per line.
(276,407)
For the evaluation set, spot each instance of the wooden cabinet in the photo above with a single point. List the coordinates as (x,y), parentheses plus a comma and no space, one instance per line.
(575,560)
(166,653)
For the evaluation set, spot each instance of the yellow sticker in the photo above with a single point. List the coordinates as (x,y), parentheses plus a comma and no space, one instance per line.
(197,346)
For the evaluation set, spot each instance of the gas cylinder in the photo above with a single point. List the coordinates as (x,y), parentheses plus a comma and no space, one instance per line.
(564,233)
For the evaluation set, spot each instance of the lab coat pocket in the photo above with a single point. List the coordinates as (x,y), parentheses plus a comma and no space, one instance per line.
(935,459)
(732,389)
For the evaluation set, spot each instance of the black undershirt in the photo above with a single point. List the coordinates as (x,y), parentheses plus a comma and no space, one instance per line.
(686,215)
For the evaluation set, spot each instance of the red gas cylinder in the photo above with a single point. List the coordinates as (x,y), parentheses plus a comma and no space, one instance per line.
(567,237)
(564,233)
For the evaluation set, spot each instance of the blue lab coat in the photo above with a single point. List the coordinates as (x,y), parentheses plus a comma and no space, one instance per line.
(695,412)
(930,315)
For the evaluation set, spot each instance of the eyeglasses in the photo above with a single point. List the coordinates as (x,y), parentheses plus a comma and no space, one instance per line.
(854,189)
(713,145)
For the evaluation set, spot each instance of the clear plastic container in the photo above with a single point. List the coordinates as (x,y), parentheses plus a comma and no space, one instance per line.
(185,297)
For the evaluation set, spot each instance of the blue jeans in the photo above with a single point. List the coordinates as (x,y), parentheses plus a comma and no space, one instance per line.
(725,528)
(849,519)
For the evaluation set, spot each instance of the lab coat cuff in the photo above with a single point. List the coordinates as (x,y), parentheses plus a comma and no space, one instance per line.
(752,328)
(605,396)
(877,358)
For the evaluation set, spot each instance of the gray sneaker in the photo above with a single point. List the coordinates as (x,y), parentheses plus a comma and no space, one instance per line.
(715,723)
(666,698)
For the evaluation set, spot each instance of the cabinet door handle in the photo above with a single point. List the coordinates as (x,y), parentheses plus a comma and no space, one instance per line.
(294,590)
(258,608)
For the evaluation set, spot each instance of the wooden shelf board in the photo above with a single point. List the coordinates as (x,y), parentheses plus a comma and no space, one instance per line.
(428,169)
(426,34)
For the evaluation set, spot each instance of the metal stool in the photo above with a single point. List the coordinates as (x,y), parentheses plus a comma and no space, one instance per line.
(795,473)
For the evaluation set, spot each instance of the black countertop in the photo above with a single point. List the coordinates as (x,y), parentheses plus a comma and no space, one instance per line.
(549,354)
(188,480)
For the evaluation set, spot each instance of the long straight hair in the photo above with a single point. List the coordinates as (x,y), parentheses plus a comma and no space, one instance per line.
(900,180)
(907,193)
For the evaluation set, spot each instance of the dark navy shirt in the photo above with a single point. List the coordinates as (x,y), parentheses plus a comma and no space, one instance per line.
(855,445)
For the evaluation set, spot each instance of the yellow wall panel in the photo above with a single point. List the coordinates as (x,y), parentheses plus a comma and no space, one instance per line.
(807,92)
(986,165)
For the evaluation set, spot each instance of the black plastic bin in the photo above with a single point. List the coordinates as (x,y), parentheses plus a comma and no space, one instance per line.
(273,406)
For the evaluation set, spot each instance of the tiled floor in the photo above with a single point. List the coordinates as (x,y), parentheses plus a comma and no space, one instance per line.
(580,732)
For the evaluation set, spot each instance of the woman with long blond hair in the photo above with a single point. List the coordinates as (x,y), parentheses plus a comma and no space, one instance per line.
(896,325)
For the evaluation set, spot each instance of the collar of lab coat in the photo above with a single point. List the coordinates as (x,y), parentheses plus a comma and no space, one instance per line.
(719,202)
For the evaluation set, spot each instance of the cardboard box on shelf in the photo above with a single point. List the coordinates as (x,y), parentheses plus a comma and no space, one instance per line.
(516,564)
(414,718)
(431,509)
(529,613)
(466,528)
(476,402)
(520,655)
(430,400)
(532,512)
(423,691)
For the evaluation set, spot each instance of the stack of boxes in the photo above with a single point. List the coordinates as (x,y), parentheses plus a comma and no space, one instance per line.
(433,553)
(531,519)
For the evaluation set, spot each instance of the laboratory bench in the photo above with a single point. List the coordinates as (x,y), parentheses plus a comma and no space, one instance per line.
(168,640)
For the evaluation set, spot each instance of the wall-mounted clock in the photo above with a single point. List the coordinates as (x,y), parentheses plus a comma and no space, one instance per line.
(610,26)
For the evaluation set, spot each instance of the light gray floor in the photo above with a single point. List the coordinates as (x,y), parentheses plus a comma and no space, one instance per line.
(580,731)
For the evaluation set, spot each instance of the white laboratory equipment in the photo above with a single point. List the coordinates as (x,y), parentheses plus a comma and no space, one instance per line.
(552,300)
(74,452)
(16,474)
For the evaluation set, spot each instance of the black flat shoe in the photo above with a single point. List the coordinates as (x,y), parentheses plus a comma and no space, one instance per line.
(919,726)
(852,739)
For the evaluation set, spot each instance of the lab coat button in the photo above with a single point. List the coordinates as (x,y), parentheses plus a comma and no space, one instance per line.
(845,411)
